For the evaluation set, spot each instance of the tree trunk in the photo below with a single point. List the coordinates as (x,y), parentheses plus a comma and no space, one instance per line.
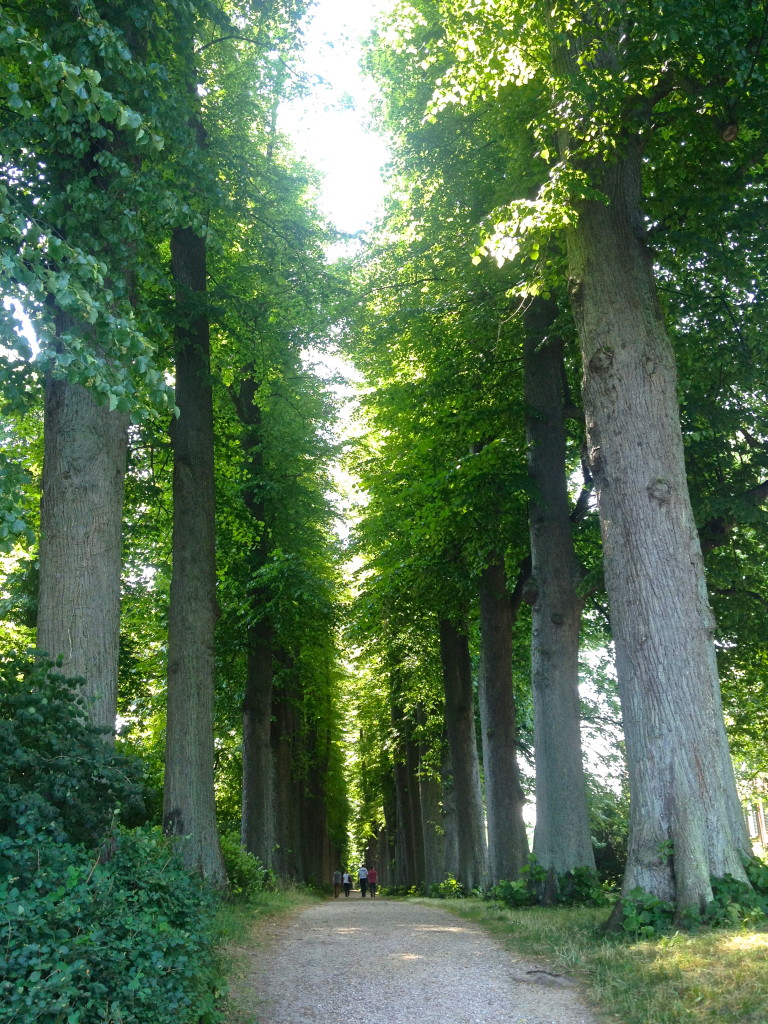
(683,794)
(257,826)
(81,515)
(414,807)
(284,858)
(561,838)
(460,729)
(188,803)
(450,817)
(257,829)
(432,824)
(504,797)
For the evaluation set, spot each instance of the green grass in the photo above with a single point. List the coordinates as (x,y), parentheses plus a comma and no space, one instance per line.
(685,978)
(241,925)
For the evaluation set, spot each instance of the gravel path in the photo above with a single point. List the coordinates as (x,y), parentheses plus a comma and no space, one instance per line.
(355,961)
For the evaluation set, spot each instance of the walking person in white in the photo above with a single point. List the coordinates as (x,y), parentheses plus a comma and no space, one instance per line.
(362,876)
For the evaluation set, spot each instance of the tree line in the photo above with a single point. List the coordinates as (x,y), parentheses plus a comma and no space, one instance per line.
(563,443)
(561,326)
(163,241)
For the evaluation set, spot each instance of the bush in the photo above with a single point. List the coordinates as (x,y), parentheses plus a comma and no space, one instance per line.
(247,875)
(513,894)
(59,776)
(644,915)
(449,888)
(581,887)
(101,925)
(128,941)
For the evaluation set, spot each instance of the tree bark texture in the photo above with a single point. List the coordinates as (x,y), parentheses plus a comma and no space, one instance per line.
(81,515)
(432,824)
(460,730)
(450,817)
(504,797)
(257,828)
(562,837)
(188,801)
(683,795)
(285,859)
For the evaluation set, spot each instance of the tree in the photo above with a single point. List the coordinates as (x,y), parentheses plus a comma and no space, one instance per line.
(562,840)
(73,142)
(610,70)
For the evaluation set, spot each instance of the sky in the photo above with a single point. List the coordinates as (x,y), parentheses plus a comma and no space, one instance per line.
(328,128)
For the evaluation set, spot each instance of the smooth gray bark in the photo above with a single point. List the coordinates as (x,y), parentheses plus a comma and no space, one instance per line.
(681,779)
(460,730)
(504,797)
(81,541)
(562,837)
(188,801)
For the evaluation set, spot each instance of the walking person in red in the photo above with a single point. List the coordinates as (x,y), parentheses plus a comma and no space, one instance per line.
(373,881)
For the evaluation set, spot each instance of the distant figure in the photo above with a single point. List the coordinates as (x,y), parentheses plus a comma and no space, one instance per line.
(336,883)
(362,875)
(373,881)
(346,881)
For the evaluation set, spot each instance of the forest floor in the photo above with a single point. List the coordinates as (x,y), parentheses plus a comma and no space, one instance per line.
(365,961)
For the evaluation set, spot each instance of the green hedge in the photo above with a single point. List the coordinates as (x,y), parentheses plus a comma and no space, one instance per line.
(99,923)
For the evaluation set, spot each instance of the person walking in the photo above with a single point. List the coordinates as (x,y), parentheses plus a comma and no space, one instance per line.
(336,883)
(373,881)
(362,876)
(346,881)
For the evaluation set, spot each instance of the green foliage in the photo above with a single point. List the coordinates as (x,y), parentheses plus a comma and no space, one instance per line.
(247,875)
(581,887)
(60,778)
(101,923)
(532,872)
(645,915)
(513,894)
(448,889)
(128,939)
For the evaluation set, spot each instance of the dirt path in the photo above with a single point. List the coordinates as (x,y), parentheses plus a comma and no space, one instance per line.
(355,961)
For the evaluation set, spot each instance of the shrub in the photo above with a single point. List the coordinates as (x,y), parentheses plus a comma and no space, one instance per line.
(101,925)
(129,941)
(449,888)
(59,776)
(247,875)
(644,915)
(513,894)
(581,887)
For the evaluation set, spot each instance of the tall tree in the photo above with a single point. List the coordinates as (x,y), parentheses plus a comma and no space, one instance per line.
(562,839)
(73,144)
(610,70)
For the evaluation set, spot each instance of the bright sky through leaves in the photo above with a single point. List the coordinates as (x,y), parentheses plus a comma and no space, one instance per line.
(328,128)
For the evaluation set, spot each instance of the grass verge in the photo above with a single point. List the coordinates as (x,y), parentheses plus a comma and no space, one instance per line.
(244,926)
(684,978)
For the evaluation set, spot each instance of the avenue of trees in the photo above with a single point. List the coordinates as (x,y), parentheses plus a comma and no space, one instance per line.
(163,242)
(567,275)
(561,441)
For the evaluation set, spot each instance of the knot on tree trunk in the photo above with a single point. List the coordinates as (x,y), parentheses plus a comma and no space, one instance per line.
(602,360)
(660,490)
